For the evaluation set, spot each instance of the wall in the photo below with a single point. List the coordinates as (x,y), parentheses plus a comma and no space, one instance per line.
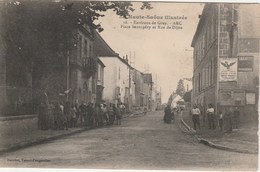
(110,78)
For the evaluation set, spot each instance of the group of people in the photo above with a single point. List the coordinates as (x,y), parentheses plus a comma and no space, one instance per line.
(229,117)
(66,115)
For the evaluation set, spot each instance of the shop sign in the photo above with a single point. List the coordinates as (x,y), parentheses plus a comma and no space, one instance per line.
(245,63)
(250,98)
(228,69)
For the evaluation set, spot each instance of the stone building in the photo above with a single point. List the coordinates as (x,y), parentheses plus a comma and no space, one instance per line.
(226,57)
(148,90)
(139,90)
(54,58)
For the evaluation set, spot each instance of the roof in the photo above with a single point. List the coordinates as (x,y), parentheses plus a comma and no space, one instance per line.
(205,13)
(100,62)
(148,78)
(101,48)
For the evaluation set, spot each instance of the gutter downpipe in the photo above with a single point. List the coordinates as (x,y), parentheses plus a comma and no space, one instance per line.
(217,84)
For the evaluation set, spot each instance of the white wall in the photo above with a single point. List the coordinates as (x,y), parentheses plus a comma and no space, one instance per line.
(116,74)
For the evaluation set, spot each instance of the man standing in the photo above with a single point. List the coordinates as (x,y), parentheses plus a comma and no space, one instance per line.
(211,116)
(82,113)
(195,111)
(229,122)
(236,115)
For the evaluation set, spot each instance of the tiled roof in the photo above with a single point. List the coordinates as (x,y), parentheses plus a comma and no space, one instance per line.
(101,48)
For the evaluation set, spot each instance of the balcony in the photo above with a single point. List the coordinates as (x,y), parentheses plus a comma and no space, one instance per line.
(89,66)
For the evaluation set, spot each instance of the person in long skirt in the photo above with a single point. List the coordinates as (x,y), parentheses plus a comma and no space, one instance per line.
(111,114)
(67,113)
(118,115)
(167,114)
(42,118)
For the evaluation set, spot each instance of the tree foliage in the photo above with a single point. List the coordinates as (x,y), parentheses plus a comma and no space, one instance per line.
(33,31)
(180,88)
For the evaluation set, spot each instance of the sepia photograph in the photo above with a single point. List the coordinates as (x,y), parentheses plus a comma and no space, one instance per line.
(129,85)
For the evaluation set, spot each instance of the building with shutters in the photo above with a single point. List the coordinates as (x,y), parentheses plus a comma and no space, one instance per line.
(226,57)
(118,79)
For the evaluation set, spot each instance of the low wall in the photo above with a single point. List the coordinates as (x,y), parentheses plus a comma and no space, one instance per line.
(18,124)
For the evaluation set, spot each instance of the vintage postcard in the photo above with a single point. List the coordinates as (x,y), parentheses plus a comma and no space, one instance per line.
(129,85)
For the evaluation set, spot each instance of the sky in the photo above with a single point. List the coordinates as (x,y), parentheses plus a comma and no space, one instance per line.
(167,52)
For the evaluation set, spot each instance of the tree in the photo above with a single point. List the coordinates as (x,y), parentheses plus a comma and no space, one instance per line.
(180,88)
(34,31)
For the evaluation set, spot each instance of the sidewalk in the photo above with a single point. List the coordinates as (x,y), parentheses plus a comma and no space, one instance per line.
(244,139)
(20,133)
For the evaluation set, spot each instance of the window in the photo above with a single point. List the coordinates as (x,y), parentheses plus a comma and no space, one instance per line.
(202,46)
(199,87)
(90,50)
(119,73)
(100,73)
(80,47)
(211,72)
(85,48)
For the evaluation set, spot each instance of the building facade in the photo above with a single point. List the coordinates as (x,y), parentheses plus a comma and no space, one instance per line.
(118,78)
(226,57)
(100,81)
(53,61)
(148,90)
(139,90)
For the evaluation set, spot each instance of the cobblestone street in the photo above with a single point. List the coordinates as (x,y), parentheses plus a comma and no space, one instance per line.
(141,142)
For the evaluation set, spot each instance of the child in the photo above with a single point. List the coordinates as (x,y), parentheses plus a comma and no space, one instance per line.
(220,121)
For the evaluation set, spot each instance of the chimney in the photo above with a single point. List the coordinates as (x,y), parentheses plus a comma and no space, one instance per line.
(126,59)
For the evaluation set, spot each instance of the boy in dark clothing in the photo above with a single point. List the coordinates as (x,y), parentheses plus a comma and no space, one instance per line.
(236,115)
(82,113)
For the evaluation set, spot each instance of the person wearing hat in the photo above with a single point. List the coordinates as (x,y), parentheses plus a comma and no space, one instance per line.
(195,111)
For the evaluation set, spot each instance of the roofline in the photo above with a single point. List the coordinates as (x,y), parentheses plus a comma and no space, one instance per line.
(200,24)
(99,61)
(117,56)
(113,52)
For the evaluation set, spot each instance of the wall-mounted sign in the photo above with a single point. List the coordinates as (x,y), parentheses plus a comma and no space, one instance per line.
(228,69)
(245,63)
(250,98)
(226,97)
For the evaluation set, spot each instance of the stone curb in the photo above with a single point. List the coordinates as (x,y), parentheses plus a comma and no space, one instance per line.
(213,145)
(40,141)
(9,118)
(48,138)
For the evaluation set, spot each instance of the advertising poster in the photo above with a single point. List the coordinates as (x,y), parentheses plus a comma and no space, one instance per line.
(228,69)
(245,63)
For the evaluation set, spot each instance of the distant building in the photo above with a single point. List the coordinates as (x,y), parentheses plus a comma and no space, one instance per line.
(100,81)
(156,99)
(226,57)
(148,88)
(117,75)
(139,90)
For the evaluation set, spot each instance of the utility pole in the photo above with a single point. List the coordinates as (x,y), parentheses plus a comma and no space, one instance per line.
(217,83)
(68,74)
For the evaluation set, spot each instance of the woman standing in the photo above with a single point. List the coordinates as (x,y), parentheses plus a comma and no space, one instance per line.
(118,115)
(167,115)
(111,114)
